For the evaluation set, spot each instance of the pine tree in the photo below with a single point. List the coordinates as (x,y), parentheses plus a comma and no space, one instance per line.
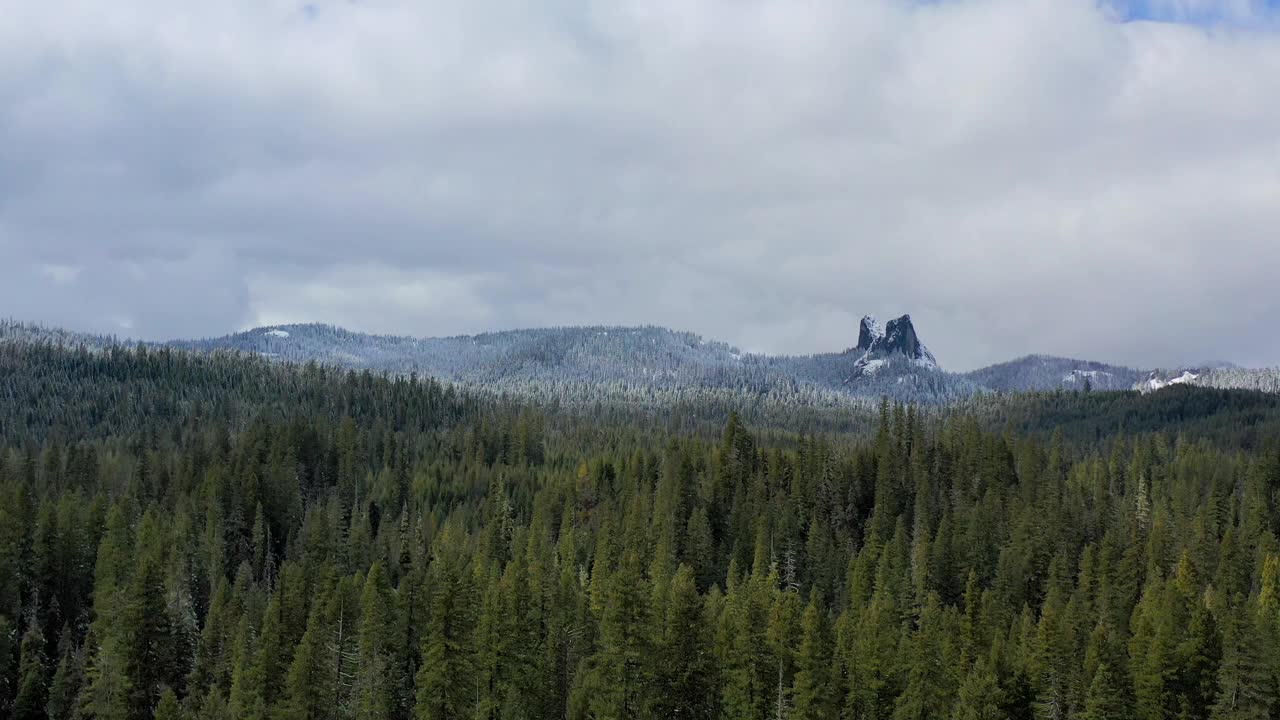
(409,613)
(873,659)
(245,701)
(68,679)
(108,685)
(308,694)
(375,696)
(214,707)
(699,548)
(745,683)
(1199,657)
(928,685)
(1105,700)
(620,671)
(979,696)
(685,681)
(340,652)
(262,555)
(271,664)
(1053,658)
(443,690)
(492,640)
(782,635)
(1246,678)
(1152,653)
(144,626)
(749,660)
(812,691)
(32,687)
(167,707)
(113,566)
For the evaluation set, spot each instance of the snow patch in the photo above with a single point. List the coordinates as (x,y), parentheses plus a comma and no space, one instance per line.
(874,329)
(1091,374)
(1155,383)
(277,333)
(871,366)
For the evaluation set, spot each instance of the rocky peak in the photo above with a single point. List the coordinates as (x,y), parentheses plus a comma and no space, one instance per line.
(869,332)
(898,340)
(900,337)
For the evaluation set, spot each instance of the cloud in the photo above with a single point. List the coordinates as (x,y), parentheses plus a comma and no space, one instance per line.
(1020,175)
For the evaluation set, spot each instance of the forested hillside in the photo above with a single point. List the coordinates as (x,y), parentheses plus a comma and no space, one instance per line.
(642,367)
(580,365)
(213,536)
(1042,372)
(655,369)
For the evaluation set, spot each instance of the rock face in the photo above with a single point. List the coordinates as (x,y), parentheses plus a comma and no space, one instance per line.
(869,332)
(898,341)
(900,337)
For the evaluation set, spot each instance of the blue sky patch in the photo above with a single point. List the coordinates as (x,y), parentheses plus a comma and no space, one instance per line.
(1199,12)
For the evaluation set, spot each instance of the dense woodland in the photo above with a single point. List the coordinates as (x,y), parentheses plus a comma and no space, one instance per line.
(187,536)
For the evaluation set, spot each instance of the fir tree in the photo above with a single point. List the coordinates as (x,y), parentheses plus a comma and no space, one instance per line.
(444,690)
(1246,679)
(375,689)
(1105,700)
(68,679)
(979,695)
(32,683)
(108,685)
(308,694)
(167,707)
(620,671)
(812,693)
(685,679)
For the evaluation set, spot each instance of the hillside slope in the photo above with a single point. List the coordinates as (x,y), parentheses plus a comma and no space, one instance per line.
(655,366)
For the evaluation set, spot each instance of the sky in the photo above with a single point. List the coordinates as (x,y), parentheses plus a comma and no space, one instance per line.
(1096,180)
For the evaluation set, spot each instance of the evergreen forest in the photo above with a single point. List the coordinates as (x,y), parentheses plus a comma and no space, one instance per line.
(215,536)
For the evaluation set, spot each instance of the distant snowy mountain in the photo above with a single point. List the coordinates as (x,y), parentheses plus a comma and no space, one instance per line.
(1045,372)
(658,366)
(649,355)
(579,361)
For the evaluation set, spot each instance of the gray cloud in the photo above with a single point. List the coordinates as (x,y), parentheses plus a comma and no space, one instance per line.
(1020,175)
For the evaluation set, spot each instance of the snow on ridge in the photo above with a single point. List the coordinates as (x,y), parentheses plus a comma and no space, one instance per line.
(277,332)
(873,324)
(1155,383)
(1076,374)
(926,359)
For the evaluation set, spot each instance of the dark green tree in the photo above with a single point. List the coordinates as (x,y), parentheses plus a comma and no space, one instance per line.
(813,695)
(32,681)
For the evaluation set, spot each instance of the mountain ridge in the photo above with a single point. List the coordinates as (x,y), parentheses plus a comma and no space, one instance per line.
(654,361)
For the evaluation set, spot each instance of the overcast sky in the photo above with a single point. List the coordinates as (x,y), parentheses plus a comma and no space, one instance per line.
(1054,176)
